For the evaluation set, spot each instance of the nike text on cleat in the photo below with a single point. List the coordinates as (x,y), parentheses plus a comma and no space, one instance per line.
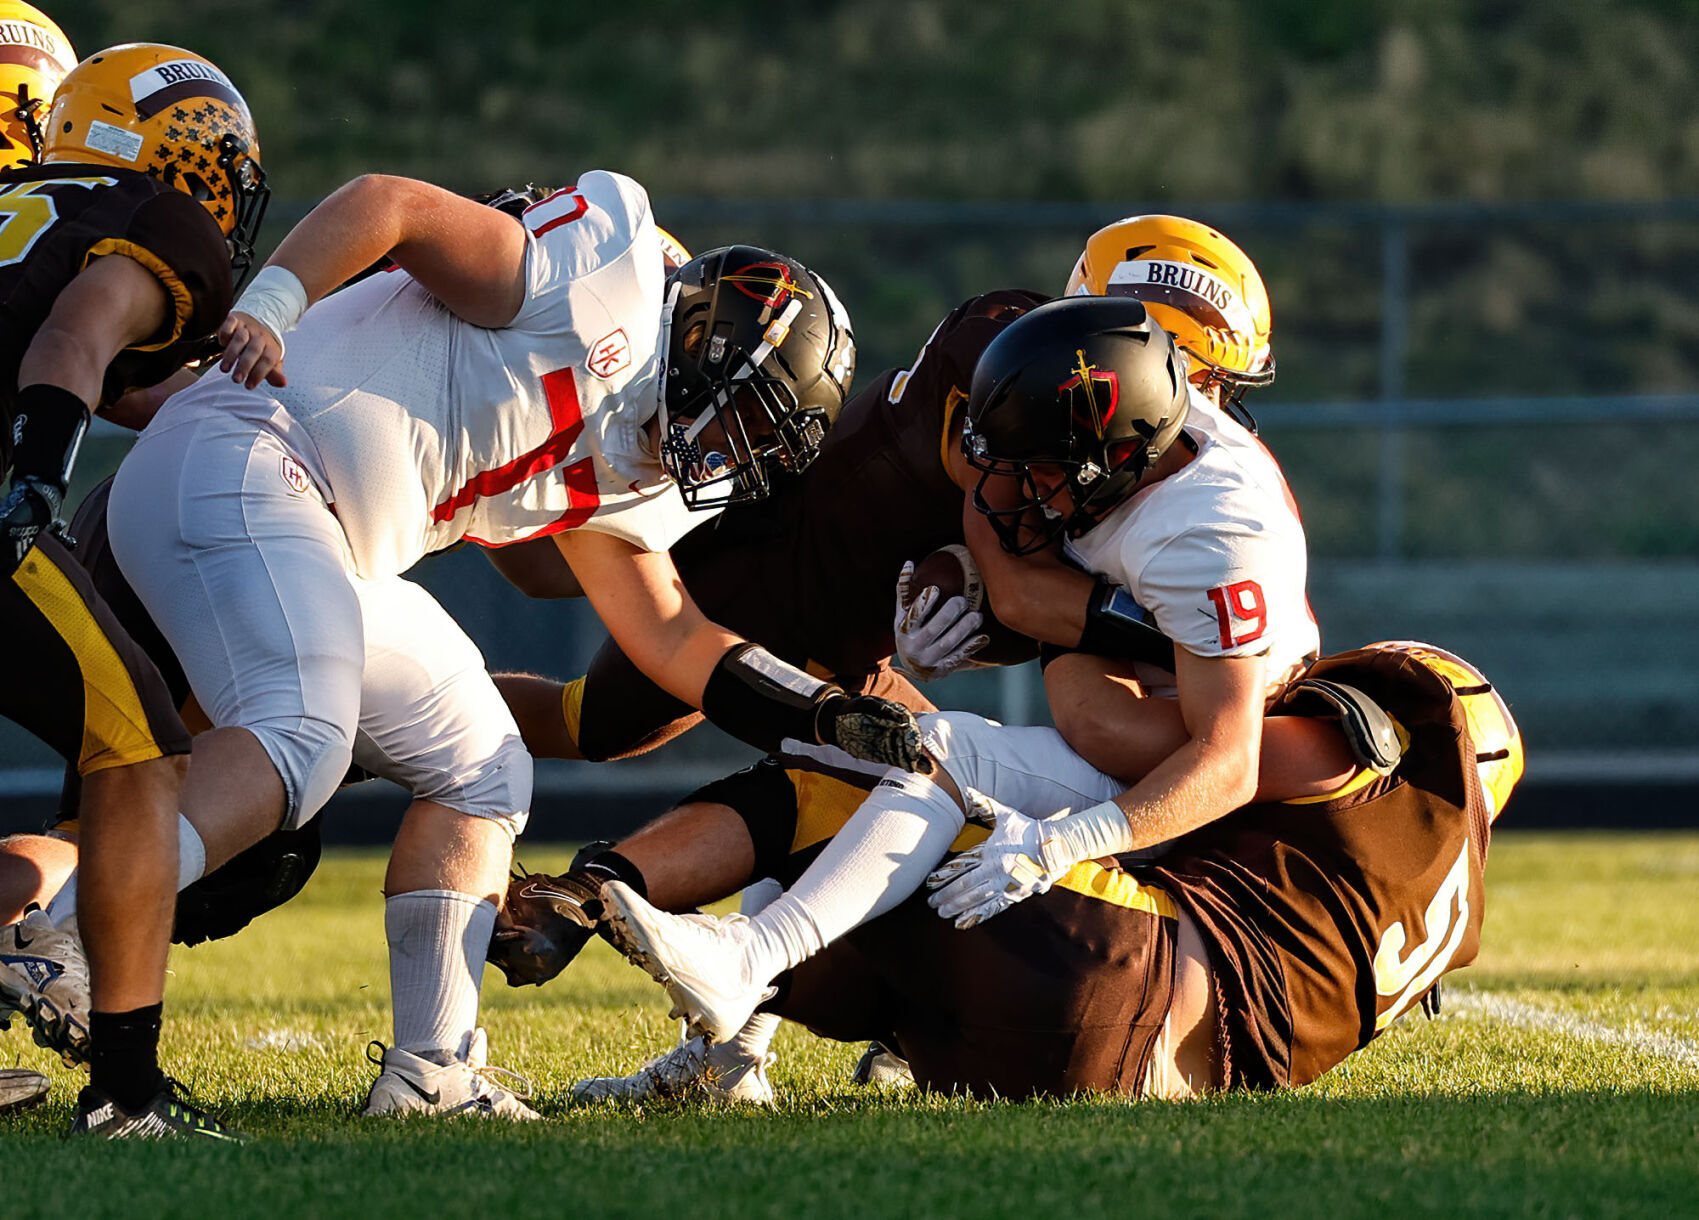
(167,1115)
(683,1072)
(698,959)
(21,1088)
(412,1084)
(44,976)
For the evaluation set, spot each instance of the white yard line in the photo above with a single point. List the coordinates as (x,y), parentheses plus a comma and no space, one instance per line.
(1534,1016)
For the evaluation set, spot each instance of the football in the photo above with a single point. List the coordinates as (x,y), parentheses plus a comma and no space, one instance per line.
(952,571)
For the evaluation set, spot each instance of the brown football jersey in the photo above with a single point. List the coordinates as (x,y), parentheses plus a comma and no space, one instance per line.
(809,573)
(1328,921)
(55,219)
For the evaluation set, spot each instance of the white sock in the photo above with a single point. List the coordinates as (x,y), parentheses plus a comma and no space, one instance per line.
(191,867)
(748,1049)
(438,940)
(878,859)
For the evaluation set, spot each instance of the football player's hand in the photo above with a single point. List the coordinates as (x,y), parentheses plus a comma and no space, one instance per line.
(252,353)
(543,923)
(1020,859)
(932,640)
(29,508)
(874,729)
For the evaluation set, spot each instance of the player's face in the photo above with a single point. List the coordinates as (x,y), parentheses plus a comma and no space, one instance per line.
(1052,481)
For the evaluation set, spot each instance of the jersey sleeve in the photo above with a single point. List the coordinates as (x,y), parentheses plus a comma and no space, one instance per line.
(1213,593)
(176,239)
(575,233)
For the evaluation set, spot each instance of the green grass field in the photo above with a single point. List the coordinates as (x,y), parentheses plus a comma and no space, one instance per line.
(1563,1079)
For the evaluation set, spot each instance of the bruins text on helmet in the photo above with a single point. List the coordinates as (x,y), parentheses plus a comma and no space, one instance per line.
(757,345)
(1200,288)
(34,57)
(172,114)
(1087,386)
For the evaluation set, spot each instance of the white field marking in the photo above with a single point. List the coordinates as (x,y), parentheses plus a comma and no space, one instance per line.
(1533,1016)
(285,1040)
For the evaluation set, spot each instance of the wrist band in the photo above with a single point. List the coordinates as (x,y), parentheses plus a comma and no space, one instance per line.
(1102,830)
(759,699)
(48,422)
(276,300)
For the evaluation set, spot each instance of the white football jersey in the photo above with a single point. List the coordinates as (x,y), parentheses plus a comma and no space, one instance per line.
(1214,554)
(422,429)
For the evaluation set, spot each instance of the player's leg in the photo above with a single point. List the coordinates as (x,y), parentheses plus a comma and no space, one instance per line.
(32,870)
(717,972)
(432,720)
(247,577)
(1102,713)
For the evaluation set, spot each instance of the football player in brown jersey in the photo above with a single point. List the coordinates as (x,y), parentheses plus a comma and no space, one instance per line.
(124,245)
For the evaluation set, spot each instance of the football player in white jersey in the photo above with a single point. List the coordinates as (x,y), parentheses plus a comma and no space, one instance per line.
(1081,410)
(504,383)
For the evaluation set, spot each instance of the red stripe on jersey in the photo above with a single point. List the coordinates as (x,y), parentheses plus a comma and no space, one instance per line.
(561,393)
(567,218)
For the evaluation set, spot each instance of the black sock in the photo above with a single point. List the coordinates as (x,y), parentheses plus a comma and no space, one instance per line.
(124,1060)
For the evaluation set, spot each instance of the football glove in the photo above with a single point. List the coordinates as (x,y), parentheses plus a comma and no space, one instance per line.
(873,729)
(32,506)
(1023,857)
(934,645)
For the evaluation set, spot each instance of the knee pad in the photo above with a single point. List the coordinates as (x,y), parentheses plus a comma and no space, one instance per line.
(311,757)
(766,799)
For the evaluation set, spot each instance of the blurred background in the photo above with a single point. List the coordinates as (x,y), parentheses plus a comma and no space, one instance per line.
(1478,222)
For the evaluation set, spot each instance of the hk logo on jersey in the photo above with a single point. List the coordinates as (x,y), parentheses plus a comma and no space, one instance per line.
(609,355)
(294,476)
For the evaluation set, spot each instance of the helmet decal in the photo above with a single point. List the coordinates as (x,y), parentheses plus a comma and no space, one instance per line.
(162,84)
(1210,300)
(774,279)
(1099,392)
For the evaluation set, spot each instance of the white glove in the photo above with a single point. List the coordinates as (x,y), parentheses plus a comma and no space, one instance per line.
(1024,856)
(929,645)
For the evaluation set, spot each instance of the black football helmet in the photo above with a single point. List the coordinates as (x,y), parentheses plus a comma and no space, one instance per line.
(1087,384)
(759,345)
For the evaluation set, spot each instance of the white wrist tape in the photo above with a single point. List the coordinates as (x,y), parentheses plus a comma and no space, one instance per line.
(1102,830)
(275,299)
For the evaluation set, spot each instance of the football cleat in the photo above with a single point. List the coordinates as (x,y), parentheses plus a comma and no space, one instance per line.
(882,1068)
(412,1084)
(44,976)
(697,958)
(167,1114)
(20,1089)
(681,1073)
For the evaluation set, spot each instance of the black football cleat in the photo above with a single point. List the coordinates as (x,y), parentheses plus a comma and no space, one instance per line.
(166,1115)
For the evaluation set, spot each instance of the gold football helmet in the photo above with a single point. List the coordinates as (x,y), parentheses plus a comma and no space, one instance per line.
(172,114)
(34,57)
(1200,288)
(1498,742)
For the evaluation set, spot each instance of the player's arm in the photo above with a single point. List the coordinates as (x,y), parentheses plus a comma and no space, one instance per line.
(536,568)
(740,686)
(1212,773)
(469,256)
(1037,595)
(112,304)
(136,409)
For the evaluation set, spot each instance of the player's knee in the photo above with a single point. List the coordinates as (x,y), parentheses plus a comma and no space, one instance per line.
(963,742)
(496,787)
(311,756)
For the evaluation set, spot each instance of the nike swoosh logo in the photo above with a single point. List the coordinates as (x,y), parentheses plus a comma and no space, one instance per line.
(533,890)
(432,1098)
(23,941)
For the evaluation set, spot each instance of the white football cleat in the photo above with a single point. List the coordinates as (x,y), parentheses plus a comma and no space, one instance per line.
(21,1088)
(412,1084)
(44,976)
(682,1072)
(882,1068)
(698,959)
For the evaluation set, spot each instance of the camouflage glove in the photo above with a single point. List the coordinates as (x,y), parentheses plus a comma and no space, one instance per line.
(874,729)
